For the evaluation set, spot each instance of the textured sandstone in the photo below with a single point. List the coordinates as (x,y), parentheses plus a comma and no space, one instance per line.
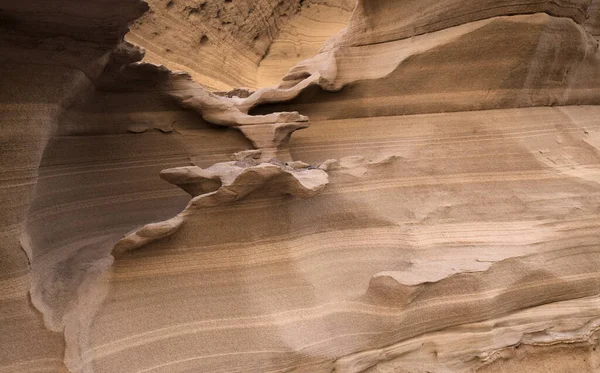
(227,44)
(224,183)
(376,21)
(455,69)
(420,194)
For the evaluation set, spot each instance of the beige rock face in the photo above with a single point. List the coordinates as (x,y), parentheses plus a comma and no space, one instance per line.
(302,38)
(420,194)
(455,69)
(229,44)
(376,21)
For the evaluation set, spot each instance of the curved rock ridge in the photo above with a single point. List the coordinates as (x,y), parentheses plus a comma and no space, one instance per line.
(122,71)
(497,62)
(235,180)
(233,111)
(376,21)
(267,132)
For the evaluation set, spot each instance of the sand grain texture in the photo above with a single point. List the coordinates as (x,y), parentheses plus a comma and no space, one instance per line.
(300,186)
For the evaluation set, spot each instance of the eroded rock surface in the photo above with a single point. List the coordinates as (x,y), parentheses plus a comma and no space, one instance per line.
(224,183)
(421,195)
(230,44)
(545,60)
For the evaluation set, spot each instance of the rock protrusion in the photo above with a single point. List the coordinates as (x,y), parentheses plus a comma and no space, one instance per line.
(223,183)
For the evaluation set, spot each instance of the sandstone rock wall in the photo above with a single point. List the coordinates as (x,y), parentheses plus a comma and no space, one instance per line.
(501,61)
(49,53)
(376,21)
(222,43)
(420,196)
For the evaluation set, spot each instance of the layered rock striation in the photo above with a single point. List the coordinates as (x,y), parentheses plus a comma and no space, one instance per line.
(420,196)
(227,44)
(455,56)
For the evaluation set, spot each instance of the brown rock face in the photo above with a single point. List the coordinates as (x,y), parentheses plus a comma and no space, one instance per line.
(376,21)
(228,44)
(386,186)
